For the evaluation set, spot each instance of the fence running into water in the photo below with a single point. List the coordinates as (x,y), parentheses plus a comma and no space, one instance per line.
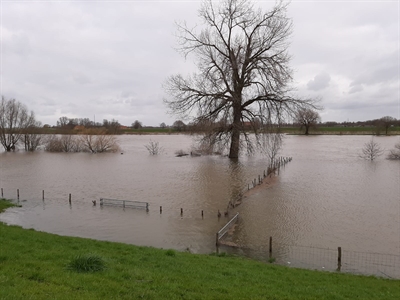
(222,232)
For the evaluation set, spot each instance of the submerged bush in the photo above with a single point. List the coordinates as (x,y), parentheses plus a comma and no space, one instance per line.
(94,141)
(154,148)
(86,263)
(395,153)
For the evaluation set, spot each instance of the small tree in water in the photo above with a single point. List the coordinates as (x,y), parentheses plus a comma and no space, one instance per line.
(371,150)
(154,148)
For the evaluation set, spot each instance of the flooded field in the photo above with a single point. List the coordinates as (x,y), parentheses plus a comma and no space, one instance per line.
(325,197)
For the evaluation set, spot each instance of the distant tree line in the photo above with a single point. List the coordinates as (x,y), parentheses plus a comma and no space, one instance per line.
(112,127)
(19,126)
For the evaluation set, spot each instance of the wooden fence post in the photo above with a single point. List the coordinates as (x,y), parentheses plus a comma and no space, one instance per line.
(1,192)
(42,194)
(270,247)
(339,259)
(70,199)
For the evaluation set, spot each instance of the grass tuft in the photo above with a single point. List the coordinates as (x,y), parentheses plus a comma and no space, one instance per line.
(86,263)
(170,252)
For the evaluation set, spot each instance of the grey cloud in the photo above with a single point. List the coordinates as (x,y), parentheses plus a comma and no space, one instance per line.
(110,58)
(319,82)
(355,88)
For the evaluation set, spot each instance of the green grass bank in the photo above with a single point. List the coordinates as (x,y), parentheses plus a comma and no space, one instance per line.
(36,265)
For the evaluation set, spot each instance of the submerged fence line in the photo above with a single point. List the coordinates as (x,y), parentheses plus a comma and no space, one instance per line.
(274,166)
(124,203)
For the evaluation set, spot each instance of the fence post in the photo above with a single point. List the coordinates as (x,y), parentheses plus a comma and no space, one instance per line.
(42,194)
(69,198)
(270,247)
(339,259)
(217,242)
(160,209)
(181,211)
(18,194)
(1,192)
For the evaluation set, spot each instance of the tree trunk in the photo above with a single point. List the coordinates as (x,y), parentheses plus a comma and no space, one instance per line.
(236,127)
(307,126)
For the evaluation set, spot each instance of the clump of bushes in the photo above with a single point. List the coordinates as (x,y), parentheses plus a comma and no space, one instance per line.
(395,153)
(93,141)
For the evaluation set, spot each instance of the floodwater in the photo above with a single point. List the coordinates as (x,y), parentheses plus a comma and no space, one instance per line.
(325,197)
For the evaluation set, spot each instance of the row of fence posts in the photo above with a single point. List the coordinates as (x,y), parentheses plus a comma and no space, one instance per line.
(275,165)
(69,196)
(94,202)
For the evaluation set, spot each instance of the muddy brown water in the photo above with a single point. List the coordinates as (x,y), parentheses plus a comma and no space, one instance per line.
(326,197)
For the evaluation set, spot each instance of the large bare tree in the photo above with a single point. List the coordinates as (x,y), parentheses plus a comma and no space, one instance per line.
(244,75)
(14,120)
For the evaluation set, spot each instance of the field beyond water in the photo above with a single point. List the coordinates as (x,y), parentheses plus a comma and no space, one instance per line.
(37,265)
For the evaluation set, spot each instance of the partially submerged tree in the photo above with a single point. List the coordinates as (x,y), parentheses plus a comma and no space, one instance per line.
(307,118)
(97,141)
(272,145)
(14,120)
(32,137)
(154,148)
(371,150)
(244,74)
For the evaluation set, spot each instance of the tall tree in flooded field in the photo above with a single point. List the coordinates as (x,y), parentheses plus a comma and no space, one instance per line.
(307,118)
(243,78)
(14,120)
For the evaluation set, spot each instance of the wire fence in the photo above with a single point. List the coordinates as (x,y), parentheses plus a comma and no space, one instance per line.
(323,259)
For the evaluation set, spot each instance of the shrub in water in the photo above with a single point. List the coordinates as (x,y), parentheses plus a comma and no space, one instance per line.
(86,263)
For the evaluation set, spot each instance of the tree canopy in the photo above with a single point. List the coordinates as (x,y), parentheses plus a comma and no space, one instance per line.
(243,71)
(307,117)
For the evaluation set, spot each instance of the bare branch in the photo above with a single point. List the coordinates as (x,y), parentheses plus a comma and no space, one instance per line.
(243,71)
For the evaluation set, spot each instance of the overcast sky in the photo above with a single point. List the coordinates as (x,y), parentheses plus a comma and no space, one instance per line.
(109,59)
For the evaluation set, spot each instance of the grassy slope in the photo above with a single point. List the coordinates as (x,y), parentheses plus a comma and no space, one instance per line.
(33,265)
